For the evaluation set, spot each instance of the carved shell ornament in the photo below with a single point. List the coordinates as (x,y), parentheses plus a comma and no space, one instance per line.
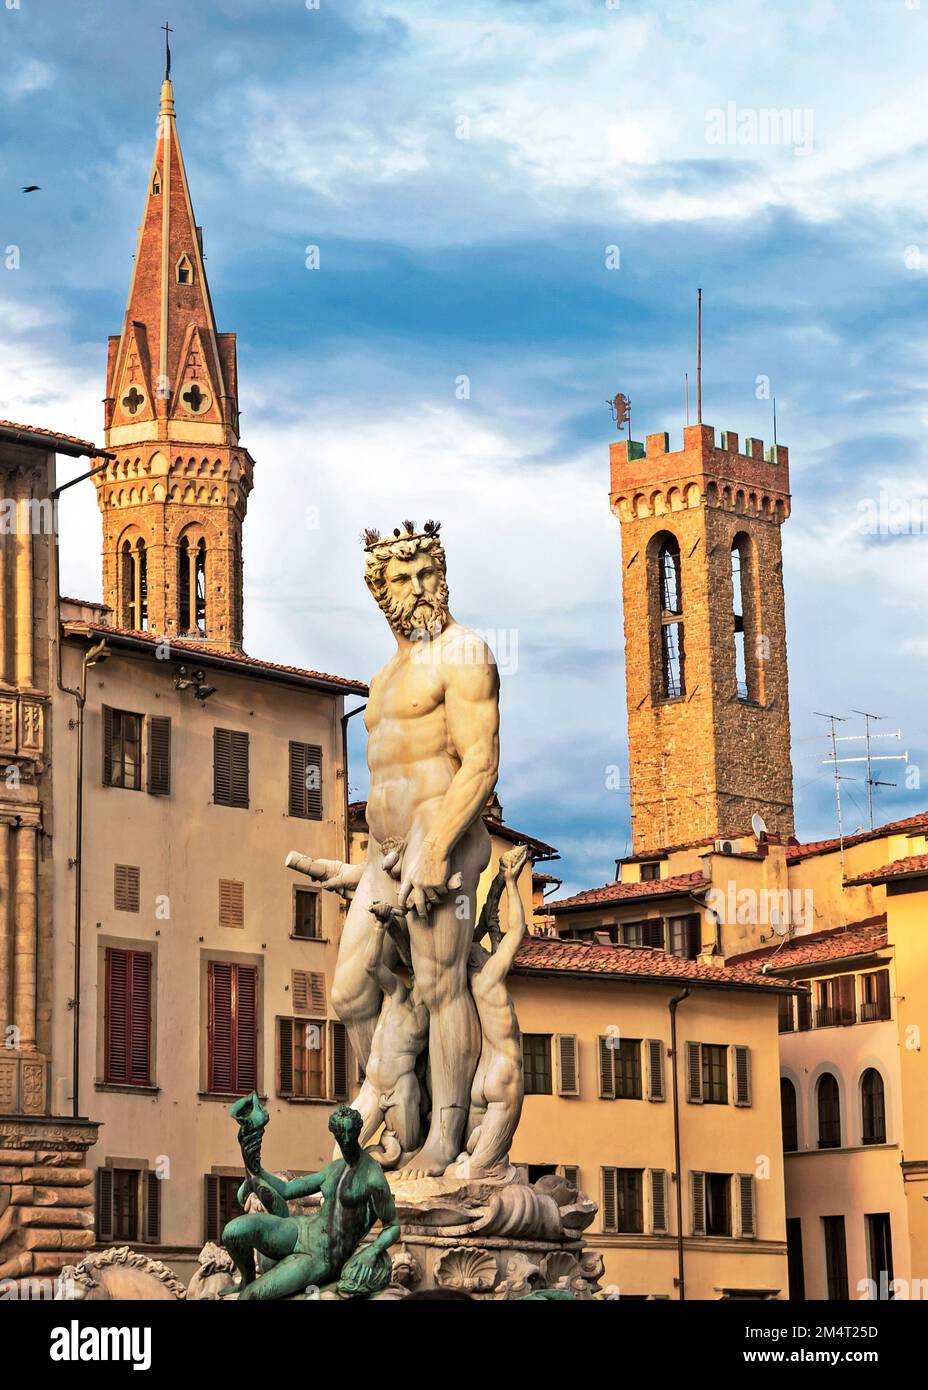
(461,1267)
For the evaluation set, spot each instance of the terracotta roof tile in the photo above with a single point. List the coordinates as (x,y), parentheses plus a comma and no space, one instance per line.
(547,955)
(899,868)
(51,434)
(77,626)
(838,943)
(678,885)
(796,853)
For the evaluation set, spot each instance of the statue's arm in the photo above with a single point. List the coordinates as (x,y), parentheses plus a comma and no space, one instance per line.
(500,963)
(385,1207)
(374,962)
(305,1186)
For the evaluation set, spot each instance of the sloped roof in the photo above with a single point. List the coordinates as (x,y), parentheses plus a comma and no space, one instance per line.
(251,665)
(796,853)
(37,434)
(914,865)
(838,943)
(680,885)
(545,955)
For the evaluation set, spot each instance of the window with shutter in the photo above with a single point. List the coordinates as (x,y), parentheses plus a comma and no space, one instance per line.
(655,1052)
(127,1017)
(804,1010)
(159,755)
(340,1053)
(629,1200)
(536,1063)
(104,1204)
(231,903)
(232,1043)
(741,1068)
(306,914)
(610,1202)
(220,1204)
(302,1058)
(658,1190)
(152,1234)
(126,887)
(126,1204)
(568,1075)
(785,1013)
(122,749)
(230,767)
(747,1217)
(714,1074)
(694,1072)
(571,1174)
(306,781)
(698,1200)
(874,996)
(308,990)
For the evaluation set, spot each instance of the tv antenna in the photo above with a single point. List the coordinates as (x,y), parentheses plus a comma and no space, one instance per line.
(833,760)
(869,757)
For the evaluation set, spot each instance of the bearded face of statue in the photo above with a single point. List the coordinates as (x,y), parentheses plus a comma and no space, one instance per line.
(414,595)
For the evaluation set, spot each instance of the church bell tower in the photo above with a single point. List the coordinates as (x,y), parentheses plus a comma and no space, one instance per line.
(174,498)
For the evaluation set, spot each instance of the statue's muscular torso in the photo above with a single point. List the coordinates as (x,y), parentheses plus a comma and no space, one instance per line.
(411,759)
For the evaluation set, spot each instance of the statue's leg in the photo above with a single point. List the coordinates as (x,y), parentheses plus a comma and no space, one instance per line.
(440,949)
(294,1274)
(356,997)
(489,1156)
(402,1115)
(273,1236)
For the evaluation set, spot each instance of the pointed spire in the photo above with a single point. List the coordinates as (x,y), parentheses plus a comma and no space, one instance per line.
(169,361)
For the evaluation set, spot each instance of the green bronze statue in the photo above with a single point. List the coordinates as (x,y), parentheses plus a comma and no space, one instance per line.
(318,1247)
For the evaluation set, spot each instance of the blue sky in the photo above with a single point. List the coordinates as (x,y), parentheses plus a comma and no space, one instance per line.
(587,126)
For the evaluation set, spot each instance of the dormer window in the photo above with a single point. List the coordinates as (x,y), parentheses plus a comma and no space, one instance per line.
(156,183)
(650,871)
(184,271)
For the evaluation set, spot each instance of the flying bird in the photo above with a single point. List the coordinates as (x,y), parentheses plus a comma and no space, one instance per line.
(32,188)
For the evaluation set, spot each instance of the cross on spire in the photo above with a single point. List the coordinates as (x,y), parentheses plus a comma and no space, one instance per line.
(168,31)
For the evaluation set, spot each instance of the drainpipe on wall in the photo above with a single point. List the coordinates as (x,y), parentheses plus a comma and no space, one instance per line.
(672,1006)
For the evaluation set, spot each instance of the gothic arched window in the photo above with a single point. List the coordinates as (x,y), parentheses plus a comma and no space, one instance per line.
(745,635)
(191,585)
(184,271)
(873,1107)
(670,602)
(829,1113)
(134,587)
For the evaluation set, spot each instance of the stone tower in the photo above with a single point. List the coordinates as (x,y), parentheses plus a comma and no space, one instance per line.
(174,499)
(705,635)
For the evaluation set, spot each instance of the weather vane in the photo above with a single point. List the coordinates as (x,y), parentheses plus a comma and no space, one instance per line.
(621,408)
(168,31)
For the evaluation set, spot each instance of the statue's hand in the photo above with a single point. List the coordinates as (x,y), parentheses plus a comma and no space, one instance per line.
(251,1151)
(343,882)
(425,879)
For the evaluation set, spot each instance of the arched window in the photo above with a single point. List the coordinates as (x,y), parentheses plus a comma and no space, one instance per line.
(737,576)
(135,585)
(191,585)
(670,601)
(873,1107)
(829,1113)
(789,1115)
(156,183)
(184,271)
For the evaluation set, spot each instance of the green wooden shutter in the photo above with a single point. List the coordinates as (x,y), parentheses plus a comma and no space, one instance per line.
(655,1054)
(694,1072)
(742,1075)
(159,755)
(606,1070)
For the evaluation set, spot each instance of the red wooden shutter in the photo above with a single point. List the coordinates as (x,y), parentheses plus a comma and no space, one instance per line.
(219,1039)
(882,994)
(805,1010)
(159,755)
(246,1029)
(139,1058)
(116,1016)
(847,999)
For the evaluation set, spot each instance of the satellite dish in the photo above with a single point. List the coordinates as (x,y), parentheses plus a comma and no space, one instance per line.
(758,826)
(780,928)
